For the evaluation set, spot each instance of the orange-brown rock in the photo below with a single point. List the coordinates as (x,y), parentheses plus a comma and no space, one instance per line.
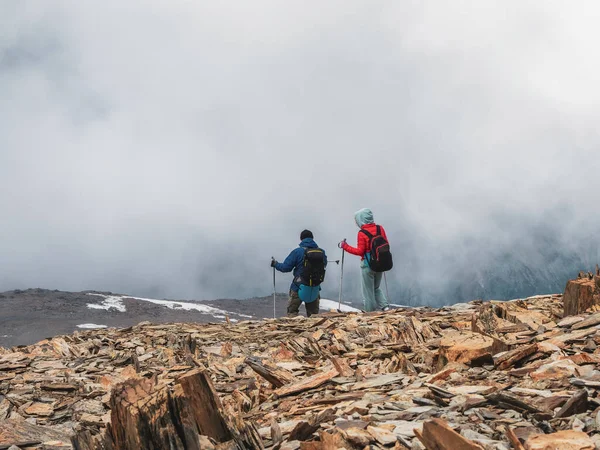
(512,357)
(308,383)
(39,409)
(518,313)
(465,347)
(556,370)
(145,414)
(486,321)
(561,440)
(437,435)
(19,432)
(580,295)
(514,440)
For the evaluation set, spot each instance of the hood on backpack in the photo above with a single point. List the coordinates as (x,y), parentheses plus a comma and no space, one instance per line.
(363,216)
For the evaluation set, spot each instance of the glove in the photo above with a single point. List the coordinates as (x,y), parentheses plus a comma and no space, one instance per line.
(342,243)
(273,262)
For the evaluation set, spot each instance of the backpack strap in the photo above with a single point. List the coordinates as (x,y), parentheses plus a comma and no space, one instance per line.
(369,235)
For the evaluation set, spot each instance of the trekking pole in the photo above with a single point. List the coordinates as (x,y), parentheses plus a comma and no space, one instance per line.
(337,261)
(386,288)
(341,281)
(274,290)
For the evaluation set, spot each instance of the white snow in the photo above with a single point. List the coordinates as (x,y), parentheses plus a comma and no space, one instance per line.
(6,335)
(110,301)
(331,304)
(91,326)
(113,301)
(204,309)
(535,297)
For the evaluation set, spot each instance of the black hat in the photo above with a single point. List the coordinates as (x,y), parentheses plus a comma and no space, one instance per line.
(306,234)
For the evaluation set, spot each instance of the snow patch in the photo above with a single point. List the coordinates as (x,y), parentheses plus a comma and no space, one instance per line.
(6,335)
(331,304)
(116,301)
(110,301)
(91,326)
(204,309)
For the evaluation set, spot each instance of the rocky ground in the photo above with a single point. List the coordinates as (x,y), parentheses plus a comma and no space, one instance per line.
(493,375)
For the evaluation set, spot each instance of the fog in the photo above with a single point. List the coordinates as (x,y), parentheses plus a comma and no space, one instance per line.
(169,149)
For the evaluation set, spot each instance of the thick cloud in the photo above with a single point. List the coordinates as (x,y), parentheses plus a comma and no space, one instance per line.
(170,148)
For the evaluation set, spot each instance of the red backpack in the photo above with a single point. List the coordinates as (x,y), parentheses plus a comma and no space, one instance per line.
(380,257)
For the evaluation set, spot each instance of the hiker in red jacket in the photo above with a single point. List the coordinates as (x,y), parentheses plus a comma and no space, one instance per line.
(373,296)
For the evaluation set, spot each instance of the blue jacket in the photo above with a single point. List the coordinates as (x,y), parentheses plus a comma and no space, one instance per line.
(295,259)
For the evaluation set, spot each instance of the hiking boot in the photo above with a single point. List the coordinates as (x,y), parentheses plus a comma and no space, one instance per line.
(385,308)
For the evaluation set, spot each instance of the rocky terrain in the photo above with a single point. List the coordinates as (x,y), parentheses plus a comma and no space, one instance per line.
(485,375)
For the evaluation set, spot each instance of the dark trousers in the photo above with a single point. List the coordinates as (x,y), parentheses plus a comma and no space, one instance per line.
(294,303)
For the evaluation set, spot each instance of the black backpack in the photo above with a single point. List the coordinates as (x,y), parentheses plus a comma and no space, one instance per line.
(313,272)
(381,257)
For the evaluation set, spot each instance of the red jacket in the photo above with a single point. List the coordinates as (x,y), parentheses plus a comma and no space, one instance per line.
(363,246)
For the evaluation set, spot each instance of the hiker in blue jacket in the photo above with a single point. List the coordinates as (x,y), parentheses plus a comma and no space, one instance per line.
(299,292)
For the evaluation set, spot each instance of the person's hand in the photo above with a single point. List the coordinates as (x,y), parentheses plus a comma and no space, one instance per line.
(273,262)
(342,243)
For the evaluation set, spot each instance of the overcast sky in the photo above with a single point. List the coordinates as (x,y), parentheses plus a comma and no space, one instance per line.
(170,148)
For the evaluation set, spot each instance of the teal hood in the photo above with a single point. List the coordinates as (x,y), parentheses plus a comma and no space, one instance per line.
(363,217)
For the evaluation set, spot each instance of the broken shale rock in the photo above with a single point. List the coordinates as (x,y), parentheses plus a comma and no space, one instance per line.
(561,440)
(21,433)
(577,404)
(466,347)
(437,435)
(146,415)
(326,382)
(512,357)
(308,383)
(580,295)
